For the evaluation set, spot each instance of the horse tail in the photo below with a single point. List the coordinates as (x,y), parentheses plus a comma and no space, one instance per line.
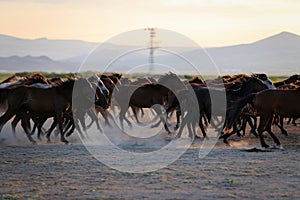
(236,108)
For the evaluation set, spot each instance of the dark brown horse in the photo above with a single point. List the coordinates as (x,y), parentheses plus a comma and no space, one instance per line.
(195,110)
(147,96)
(216,97)
(269,103)
(51,102)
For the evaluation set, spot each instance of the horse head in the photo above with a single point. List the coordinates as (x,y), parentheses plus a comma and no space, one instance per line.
(171,81)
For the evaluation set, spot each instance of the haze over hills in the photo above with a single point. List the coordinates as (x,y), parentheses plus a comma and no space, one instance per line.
(54,49)
(278,54)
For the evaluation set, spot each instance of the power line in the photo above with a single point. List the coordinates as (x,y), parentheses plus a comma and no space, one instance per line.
(152,32)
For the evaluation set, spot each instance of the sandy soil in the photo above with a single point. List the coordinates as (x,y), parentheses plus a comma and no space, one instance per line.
(58,171)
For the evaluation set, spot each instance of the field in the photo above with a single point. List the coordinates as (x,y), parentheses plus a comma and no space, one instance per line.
(58,171)
(88,73)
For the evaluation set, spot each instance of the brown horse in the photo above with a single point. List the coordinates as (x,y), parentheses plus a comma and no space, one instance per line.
(50,102)
(267,104)
(147,96)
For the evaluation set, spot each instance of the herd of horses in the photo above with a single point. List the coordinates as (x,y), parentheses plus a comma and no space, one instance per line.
(228,103)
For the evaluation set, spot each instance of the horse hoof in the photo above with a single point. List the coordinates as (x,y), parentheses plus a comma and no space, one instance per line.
(65,141)
(285,133)
(197,137)
(227,144)
(265,146)
(280,147)
(152,126)
(33,142)
(177,136)
(49,141)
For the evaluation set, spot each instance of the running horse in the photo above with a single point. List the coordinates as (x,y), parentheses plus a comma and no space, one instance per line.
(267,104)
(49,102)
(148,96)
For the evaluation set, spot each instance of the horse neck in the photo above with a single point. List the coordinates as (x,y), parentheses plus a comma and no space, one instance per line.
(163,90)
(170,83)
(249,87)
(65,89)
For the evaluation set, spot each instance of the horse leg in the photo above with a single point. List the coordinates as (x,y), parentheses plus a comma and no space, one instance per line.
(105,115)
(239,122)
(158,110)
(59,117)
(6,117)
(202,127)
(191,130)
(156,124)
(76,125)
(264,120)
(227,135)
(49,131)
(268,129)
(71,127)
(142,112)
(35,124)
(14,124)
(184,122)
(122,117)
(280,125)
(294,121)
(134,109)
(178,114)
(41,122)
(283,131)
(25,123)
(93,116)
(244,124)
(252,126)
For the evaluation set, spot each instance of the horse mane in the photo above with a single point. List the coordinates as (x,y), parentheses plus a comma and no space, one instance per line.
(118,75)
(55,80)
(112,74)
(37,75)
(292,78)
(168,75)
(11,79)
(260,76)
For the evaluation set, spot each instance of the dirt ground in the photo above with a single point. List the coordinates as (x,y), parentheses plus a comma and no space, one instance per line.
(58,171)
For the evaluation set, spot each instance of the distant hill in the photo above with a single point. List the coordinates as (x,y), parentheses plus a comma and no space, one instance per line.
(278,54)
(54,49)
(30,63)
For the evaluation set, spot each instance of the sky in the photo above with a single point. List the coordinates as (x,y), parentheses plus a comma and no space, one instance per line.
(209,23)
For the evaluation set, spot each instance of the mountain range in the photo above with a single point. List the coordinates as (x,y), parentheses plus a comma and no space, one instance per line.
(278,54)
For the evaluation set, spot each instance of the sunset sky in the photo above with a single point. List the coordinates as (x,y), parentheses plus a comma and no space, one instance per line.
(208,22)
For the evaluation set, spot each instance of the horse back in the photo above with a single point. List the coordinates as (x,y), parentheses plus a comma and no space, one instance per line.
(281,102)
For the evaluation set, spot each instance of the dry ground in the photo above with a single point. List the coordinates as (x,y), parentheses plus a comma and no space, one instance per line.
(58,171)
